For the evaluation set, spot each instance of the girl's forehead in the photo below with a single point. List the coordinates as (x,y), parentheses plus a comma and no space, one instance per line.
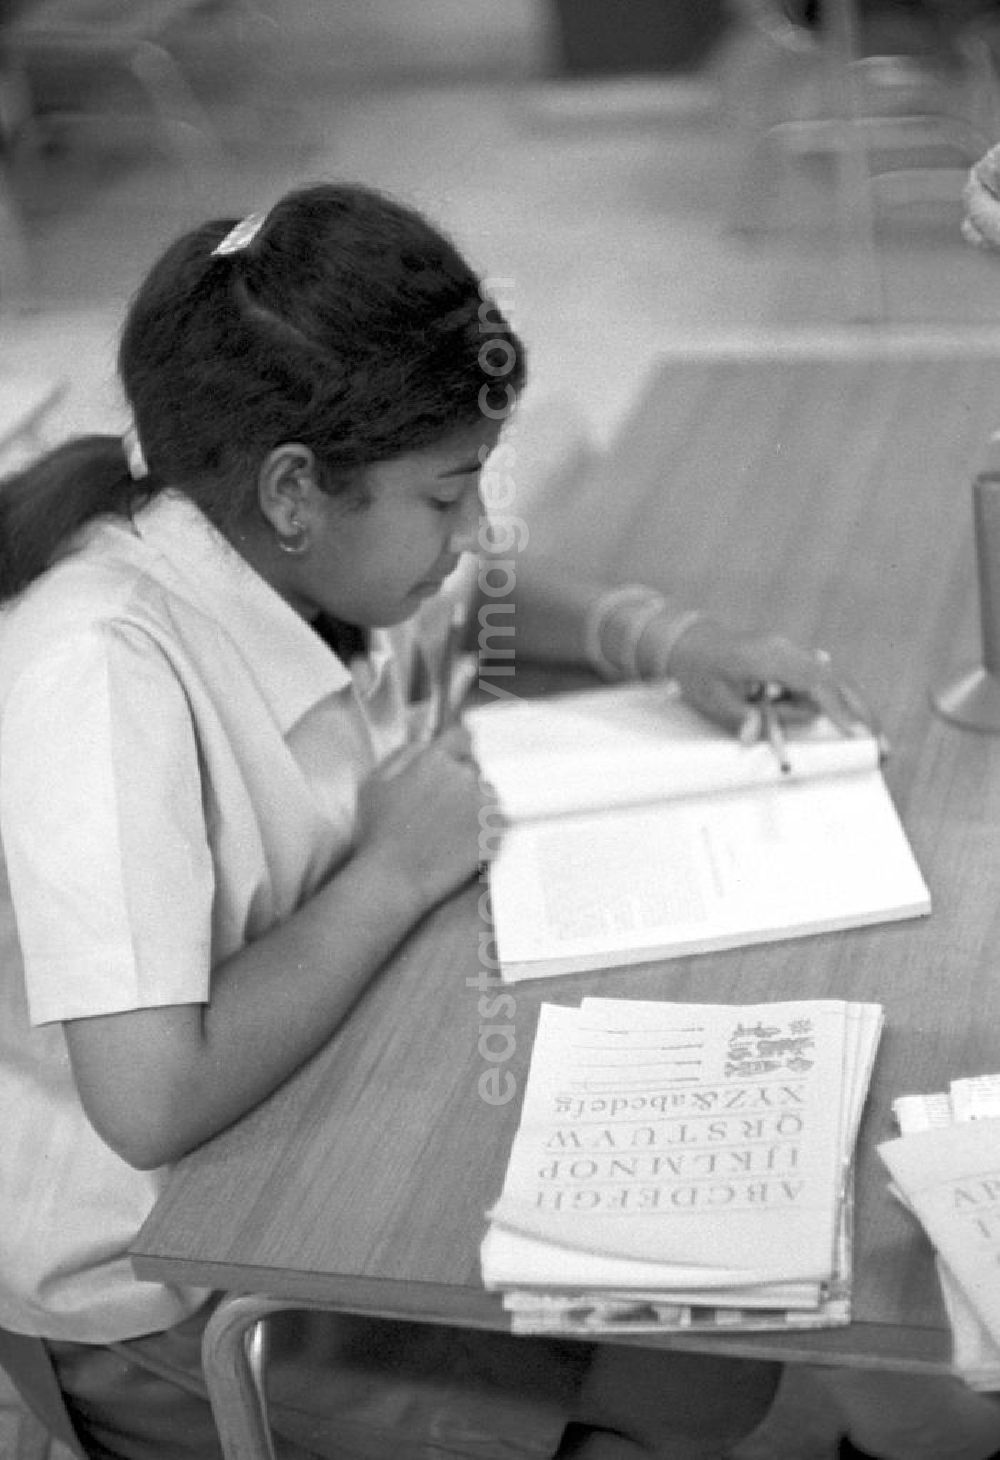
(461,451)
(467,443)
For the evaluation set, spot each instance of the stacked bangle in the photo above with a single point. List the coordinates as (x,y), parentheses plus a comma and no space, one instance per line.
(616,623)
(636,596)
(668,642)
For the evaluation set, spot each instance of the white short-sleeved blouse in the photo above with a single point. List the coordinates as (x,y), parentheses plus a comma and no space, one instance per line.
(179,759)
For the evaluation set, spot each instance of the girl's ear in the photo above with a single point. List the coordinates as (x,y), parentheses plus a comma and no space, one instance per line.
(287,489)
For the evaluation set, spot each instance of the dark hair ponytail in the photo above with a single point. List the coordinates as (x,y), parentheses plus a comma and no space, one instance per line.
(344,321)
(42,506)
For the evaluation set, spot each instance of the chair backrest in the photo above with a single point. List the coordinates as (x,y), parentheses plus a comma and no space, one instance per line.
(27,1362)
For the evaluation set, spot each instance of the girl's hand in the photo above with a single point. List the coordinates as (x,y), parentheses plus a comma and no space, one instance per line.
(427,816)
(720,672)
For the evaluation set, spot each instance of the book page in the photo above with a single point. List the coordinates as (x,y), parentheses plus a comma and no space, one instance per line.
(593,1315)
(975,1353)
(862,1032)
(708,1138)
(950,1178)
(629,744)
(515,1260)
(690,876)
(975,1098)
(602,1309)
(922,1112)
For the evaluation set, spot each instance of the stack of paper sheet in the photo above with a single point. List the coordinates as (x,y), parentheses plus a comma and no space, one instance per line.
(683,1165)
(946,1169)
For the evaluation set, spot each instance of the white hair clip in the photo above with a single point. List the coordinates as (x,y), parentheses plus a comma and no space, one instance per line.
(132,447)
(240,237)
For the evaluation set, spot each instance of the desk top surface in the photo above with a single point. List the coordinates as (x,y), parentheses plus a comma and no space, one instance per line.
(830,499)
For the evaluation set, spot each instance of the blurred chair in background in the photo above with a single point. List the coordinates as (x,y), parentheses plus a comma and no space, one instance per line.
(110,73)
(15,111)
(899,125)
(99,62)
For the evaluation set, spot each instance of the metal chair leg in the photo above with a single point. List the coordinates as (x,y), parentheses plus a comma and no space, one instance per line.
(257,1350)
(234,1360)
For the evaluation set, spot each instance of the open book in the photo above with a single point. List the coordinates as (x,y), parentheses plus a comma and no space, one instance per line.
(639,830)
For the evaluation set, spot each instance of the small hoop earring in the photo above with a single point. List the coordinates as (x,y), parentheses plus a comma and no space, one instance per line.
(296,542)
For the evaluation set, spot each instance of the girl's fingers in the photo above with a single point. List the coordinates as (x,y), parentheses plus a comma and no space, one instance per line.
(810,679)
(858,706)
(800,683)
(751,726)
(724,703)
(457,742)
(398,761)
(843,702)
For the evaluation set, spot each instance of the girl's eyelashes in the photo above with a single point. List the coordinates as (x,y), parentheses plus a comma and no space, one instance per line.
(466,481)
(446,504)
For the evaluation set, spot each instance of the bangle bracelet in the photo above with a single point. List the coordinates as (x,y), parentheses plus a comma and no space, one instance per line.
(637,625)
(647,603)
(678,628)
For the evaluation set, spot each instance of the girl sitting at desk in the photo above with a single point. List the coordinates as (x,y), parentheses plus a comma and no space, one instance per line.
(221,813)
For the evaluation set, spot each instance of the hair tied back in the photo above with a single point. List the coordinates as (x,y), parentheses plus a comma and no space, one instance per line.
(241,236)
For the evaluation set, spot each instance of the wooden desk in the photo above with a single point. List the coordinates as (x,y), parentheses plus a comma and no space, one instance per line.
(830,497)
